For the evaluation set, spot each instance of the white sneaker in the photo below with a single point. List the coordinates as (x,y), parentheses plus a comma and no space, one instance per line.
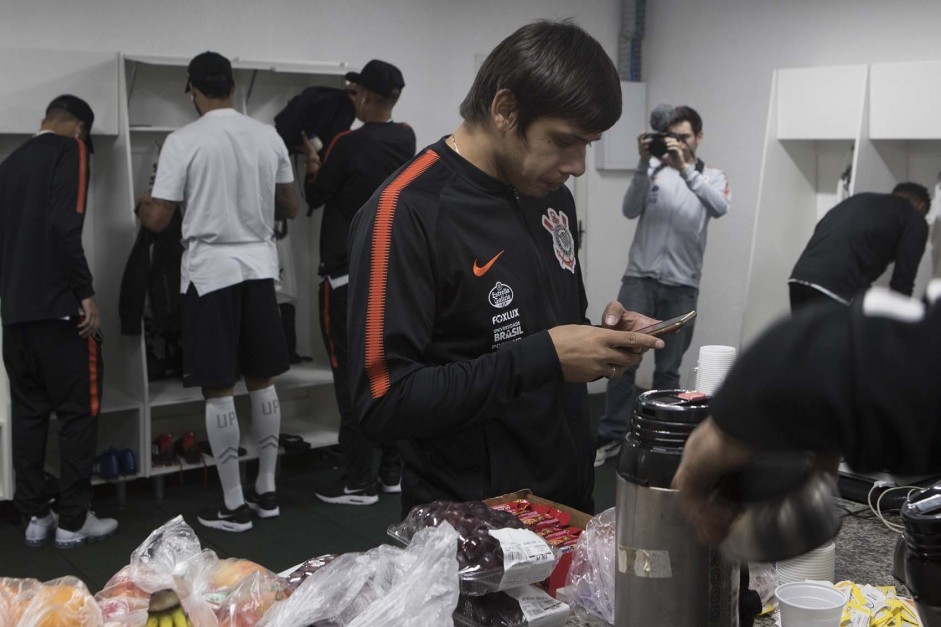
(39,530)
(94,530)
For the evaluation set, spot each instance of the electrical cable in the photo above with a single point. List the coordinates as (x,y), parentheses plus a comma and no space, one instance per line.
(877,508)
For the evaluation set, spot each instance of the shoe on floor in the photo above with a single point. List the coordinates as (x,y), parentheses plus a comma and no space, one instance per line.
(264,505)
(345,493)
(235,520)
(606,448)
(94,530)
(40,530)
(390,481)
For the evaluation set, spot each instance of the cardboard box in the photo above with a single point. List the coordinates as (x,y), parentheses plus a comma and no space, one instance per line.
(578,519)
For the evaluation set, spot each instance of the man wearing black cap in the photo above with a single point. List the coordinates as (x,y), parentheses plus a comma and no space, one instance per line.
(233,177)
(51,345)
(355,164)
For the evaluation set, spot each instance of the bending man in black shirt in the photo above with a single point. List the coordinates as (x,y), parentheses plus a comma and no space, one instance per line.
(855,242)
(859,380)
(51,345)
(354,165)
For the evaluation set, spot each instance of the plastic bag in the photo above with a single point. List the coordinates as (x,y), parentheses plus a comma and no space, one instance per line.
(494,551)
(385,586)
(61,602)
(297,576)
(212,591)
(520,607)
(590,585)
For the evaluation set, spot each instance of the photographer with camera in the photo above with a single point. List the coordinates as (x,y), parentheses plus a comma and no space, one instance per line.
(675,195)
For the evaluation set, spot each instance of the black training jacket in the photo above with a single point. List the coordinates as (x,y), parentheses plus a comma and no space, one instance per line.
(864,379)
(454,282)
(354,165)
(856,241)
(43,272)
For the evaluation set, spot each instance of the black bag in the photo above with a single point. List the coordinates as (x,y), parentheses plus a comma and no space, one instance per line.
(320,111)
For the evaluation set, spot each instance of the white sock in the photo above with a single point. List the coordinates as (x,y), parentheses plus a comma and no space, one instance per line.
(222,427)
(266,427)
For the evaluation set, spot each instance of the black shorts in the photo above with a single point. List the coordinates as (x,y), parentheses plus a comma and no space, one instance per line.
(231,332)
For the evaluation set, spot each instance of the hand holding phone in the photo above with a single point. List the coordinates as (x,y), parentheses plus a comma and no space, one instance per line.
(668,326)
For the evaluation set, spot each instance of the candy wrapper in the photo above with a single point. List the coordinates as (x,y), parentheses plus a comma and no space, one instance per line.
(494,549)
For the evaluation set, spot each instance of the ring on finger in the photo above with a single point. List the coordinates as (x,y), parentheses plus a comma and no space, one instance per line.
(614,371)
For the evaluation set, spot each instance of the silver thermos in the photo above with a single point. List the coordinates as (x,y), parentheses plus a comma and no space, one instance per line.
(664,575)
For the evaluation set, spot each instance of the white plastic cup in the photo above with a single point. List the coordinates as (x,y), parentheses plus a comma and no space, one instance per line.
(810,604)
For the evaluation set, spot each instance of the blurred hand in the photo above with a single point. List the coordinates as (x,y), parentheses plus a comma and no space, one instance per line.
(709,455)
(91,321)
(678,154)
(311,158)
(588,353)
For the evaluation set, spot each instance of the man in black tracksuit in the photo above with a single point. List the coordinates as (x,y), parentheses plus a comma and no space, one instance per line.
(467,309)
(855,242)
(355,164)
(51,345)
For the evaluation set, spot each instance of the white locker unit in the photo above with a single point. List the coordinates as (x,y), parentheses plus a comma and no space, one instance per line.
(138,100)
(877,120)
(156,106)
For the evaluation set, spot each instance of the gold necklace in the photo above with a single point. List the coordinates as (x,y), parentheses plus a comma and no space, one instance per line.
(454,143)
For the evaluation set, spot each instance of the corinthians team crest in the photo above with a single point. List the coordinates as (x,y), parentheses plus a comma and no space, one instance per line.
(557,223)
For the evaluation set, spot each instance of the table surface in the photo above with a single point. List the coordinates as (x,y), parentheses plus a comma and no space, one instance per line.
(864,550)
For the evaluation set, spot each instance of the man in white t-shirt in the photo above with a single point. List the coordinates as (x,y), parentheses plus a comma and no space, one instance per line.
(232,177)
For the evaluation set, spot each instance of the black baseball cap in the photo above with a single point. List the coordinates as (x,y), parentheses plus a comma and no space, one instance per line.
(208,68)
(380,77)
(75,106)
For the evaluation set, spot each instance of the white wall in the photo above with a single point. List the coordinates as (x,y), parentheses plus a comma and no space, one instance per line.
(718,57)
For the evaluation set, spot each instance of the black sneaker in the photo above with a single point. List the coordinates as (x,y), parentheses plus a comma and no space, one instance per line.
(390,480)
(345,493)
(264,505)
(237,520)
(606,448)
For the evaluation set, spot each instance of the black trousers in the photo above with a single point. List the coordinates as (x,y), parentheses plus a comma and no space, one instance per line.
(52,369)
(356,448)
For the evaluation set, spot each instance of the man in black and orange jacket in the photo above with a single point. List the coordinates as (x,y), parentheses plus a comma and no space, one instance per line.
(354,165)
(51,344)
(468,334)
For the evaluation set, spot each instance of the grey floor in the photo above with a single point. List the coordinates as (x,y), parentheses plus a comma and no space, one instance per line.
(306,528)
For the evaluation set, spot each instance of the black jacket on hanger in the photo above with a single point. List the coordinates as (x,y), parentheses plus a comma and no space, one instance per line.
(153,269)
(320,111)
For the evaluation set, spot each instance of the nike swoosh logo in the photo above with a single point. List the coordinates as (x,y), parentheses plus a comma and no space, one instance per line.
(346,490)
(482,270)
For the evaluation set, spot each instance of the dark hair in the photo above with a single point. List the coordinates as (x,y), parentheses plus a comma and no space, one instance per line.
(215,90)
(913,191)
(554,69)
(684,113)
(58,111)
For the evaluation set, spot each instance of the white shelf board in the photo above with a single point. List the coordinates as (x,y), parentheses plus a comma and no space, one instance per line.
(300,67)
(172,392)
(95,480)
(317,435)
(153,129)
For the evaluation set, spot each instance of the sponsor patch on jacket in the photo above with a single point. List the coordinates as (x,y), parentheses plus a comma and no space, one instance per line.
(557,223)
(501,295)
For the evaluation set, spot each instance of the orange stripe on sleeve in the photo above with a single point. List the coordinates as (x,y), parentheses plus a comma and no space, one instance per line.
(82,177)
(333,142)
(377,369)
(94,401)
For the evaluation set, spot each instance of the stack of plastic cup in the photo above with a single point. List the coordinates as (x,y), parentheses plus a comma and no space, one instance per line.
(817,565)
(810,604)
(714,363)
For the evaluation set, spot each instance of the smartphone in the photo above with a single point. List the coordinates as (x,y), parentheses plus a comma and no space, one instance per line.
(668,326)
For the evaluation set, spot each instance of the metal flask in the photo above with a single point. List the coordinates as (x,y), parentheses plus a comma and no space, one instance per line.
(664,575)
(921,515)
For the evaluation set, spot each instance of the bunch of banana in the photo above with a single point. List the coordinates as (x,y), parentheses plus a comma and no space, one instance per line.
(165,610)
